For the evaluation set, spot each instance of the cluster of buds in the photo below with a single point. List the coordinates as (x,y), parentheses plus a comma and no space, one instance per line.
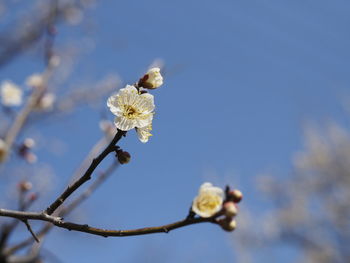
(25,150)
(213,202)
(230,209)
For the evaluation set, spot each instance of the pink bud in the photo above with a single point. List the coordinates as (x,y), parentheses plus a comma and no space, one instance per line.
(236,195)
(33,197)
(25,186)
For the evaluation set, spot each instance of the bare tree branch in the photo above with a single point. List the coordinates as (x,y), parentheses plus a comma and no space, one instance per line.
(57,221)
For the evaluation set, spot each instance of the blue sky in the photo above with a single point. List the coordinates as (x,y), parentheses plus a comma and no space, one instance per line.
(241,80)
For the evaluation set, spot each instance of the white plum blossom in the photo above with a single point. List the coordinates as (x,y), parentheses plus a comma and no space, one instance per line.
(11,94)
(153,79)
(208,201)
(132,108)
(144,133)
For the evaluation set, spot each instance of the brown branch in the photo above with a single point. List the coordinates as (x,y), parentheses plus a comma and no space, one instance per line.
(57,221)
(30,230)
(87,175)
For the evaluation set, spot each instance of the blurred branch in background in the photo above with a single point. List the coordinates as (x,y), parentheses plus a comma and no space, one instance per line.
(30,29)
(311,208)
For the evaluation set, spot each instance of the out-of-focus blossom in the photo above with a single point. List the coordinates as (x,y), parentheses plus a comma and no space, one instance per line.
(29,143)
(74,15)
(144,133)
(209,200)
(3,150)
(11,94)
(133,110)
(152,79)
(35,80)
(55,61)
(30,157)
(46,102)
(25,150)
(108,128)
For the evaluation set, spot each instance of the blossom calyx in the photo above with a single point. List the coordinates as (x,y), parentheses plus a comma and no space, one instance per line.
(152,79)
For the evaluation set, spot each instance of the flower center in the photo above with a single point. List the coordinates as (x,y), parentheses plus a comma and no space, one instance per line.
(130,112)
(209,202)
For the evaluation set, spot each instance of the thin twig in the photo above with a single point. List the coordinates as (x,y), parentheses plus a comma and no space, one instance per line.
(30,230)
(87,175)
(7,229)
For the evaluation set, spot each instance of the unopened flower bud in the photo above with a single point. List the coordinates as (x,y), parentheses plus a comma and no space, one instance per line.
(46,102)
(25,186)
(123,157)
(228,224)
(230,209)
(30,157)
(235,195)
(152,79)
(33,197)
(29,143)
